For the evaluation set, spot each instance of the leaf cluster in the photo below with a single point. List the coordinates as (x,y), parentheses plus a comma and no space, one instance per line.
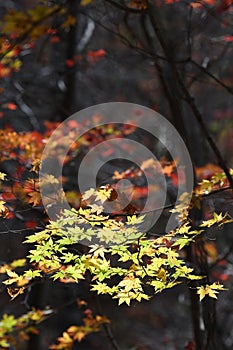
(119,259)
(15,330)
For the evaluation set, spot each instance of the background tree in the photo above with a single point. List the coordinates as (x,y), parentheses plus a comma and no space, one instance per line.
(59,57)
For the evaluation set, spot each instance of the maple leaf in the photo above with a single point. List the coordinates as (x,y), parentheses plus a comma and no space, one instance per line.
(150,163)
(139,4)
(228,38)
(70,63)
(2,207)
(104,193)
(48,180)
(95,56)
(172,257)
(12,106)
(86,2)
(124,298)
(2,176)
(18,263)
(36,165)
(89,193)
(80,334)
(217,219)
(209,290)
(34,198)
(55,39)
(14,277)
(130,282)
(69,22)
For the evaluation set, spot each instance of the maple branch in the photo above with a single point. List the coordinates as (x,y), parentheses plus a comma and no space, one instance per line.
(210,64)
(18,231)
(190,100)
(25,107)
(123,38)
(110,336)
(172,97)
(27,32)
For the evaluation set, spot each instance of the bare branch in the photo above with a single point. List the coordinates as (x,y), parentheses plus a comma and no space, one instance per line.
(152,11)
(204,70)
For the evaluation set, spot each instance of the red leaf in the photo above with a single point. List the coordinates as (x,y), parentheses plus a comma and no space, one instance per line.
(87,312)
(222,262)
(13,36)
(52,31)
(228,38)
(31,224)
(55,39)
(70,63)
(8,196)
(190,345)
(4,71)
(73,124)
(12,106)
(108,152)
(224,277)
(174,178)
(95,56)
(10,215)
(140,192)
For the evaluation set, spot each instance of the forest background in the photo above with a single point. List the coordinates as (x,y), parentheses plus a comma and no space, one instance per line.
(59,57)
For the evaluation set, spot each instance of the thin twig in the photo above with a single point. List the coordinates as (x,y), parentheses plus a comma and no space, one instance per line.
(107,327)
(204,70)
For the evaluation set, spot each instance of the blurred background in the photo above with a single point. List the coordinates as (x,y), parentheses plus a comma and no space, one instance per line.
(59,57)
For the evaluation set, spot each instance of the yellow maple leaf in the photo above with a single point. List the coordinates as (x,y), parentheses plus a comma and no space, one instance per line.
(89,193)
(36,165)
(34,198)
(80,334)
(209,290)
(124,299)
(69,22)
(86,2)
(2,176)
(172,256)
(2,207)
(4,268)
(18,263)
(130,282)
(14,277)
